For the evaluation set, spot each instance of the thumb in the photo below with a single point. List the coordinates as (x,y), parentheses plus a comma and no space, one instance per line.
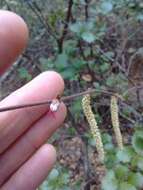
(13,38)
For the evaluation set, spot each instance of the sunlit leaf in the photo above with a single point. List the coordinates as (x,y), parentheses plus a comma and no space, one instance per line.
(77,27)
(140,163)
(140,17)
(106,7)
(106,138)
(53,174)
(88,37)
(136,179)
(137,142)
(110,182)
(62,59)
(125,155)
(121,172)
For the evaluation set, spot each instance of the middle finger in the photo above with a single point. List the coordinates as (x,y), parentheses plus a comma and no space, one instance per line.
(23,149)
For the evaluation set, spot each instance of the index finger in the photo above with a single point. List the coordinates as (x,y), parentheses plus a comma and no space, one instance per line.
(13,38)
(13,124)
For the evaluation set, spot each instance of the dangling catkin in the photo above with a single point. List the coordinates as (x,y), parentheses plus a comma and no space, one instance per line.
(115,121)
(93,125)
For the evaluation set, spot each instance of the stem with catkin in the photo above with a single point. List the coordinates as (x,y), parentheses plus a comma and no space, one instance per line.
(115,121)
(93,125)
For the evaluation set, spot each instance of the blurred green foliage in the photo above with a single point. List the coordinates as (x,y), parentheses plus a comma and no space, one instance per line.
(81,37)
(58,179)
(125,167)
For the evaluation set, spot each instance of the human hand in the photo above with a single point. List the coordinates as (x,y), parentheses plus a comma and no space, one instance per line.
(25,160)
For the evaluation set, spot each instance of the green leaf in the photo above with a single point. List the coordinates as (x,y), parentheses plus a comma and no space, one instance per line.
(109,181)
(74,27)
(81,27)
(110,158)
(53,174)
(78,64)
(77,27)
(46,64)
(104,67)
(134,162)
(88,37)
(69,47)
(135,179)
(106,138)
(65,178)
(107,142)
(140,17)
(62,59)
(125,155)
(137,142)
(140,163)
(76,108)
(110,81)
(68,74)
(71,131)
(87,52)
(106,7)
(126,186)
(24,74)
(121,172)
(108,146)
(109,54)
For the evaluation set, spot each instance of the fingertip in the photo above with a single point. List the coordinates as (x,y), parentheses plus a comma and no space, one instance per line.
(54,76)
(13,38)
(6,15)
(48,84)
(34,171)
(48,152)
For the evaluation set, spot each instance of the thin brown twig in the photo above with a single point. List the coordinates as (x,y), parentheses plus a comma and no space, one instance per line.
(118,64)
(131,89)
(127,21)
(64,99)
(86,10)
(15,107)
(34,7)
(90,91)
(8,7)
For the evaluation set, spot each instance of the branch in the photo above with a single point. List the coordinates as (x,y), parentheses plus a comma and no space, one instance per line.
(65,29)
(8,7)
(64,99)
(34,7)
(86,10)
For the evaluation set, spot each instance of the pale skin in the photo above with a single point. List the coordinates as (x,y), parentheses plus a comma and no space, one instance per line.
(25,159)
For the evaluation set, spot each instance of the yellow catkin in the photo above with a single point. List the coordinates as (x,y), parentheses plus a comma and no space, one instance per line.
(93,125)
(115,121)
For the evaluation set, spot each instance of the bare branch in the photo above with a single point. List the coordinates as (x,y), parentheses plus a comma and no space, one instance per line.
(65,29)
(34,7)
